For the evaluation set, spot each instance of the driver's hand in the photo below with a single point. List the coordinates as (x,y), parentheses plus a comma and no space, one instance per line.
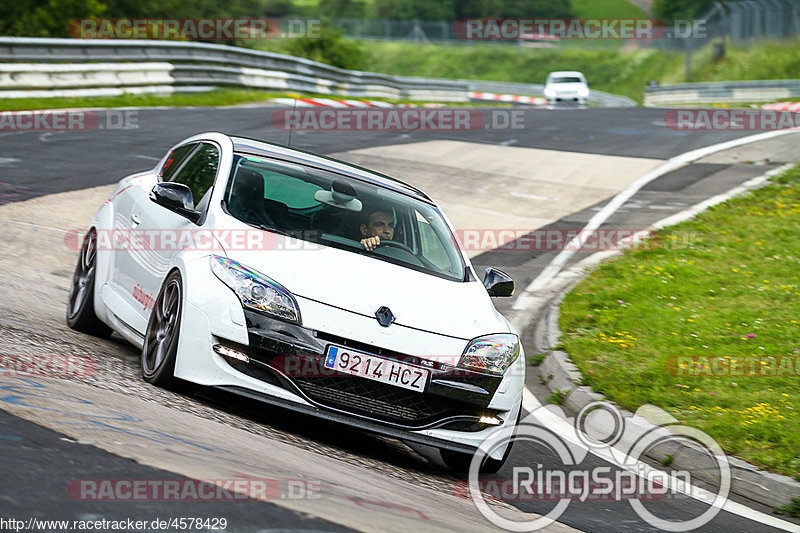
(371,242)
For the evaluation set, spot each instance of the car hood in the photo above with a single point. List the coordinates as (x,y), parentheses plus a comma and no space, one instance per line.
(362,284)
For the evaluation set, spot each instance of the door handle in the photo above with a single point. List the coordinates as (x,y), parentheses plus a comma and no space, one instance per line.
(135,219)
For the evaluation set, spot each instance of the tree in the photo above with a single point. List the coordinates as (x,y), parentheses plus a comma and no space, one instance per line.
(342,9)
(669,10)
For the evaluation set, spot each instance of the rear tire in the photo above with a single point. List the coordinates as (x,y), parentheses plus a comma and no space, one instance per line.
(80,303)
(160,348)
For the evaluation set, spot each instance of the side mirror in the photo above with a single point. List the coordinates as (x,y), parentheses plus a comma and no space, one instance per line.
(176,197)
(498,283)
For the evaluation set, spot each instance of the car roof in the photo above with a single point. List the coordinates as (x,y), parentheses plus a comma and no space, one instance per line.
(246,145)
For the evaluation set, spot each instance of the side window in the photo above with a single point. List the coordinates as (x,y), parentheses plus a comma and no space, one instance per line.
(199,171)
(175,159)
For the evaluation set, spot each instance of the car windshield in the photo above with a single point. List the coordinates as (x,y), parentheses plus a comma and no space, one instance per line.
(566,79)
(334,210)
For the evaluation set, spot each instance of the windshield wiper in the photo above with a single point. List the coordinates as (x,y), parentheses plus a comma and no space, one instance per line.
(278,231)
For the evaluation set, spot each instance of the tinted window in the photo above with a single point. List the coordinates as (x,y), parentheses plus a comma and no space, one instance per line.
(199,171)
(175,159)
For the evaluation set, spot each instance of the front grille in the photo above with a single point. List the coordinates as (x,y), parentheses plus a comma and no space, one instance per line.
(381,401)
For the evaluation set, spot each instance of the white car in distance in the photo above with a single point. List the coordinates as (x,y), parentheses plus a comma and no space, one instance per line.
(566,86)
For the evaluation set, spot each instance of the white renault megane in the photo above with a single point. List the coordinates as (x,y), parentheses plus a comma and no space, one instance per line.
(303,282)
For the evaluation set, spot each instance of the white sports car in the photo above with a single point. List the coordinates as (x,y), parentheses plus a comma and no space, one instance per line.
(566,86)
(240,264)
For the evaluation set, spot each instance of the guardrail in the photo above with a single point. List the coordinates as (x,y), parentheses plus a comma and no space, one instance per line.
(70,67)
(534,89)
(723,91)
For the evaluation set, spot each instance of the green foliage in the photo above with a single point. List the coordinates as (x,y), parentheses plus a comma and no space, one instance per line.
(45,18)
(49,18)
(622,9)
(793,509)
(413,9)
(355,9)
(537,359)
(558,397)
(451,10)
(669,10)
(279,8)
(328,47)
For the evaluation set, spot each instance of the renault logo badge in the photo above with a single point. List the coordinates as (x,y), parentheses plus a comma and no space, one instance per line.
(384,316)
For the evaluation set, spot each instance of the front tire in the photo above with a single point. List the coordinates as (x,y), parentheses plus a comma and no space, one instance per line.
(160,347)
(80,303)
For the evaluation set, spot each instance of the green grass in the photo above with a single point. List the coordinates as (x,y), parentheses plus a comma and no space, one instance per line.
(724,285)
(607,9)
(611,67)
(218,97)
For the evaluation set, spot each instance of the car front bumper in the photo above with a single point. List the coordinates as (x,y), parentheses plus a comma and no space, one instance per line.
(289,357)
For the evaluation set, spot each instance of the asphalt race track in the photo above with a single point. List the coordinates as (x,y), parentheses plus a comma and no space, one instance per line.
(112,425)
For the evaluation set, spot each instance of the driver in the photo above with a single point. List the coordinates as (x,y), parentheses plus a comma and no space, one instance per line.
(379,225)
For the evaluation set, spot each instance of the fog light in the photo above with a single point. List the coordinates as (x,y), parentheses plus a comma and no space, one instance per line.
(230,352)
(491,420)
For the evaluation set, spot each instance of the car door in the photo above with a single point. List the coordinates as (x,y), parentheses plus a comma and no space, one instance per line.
(166,232)
(120,292)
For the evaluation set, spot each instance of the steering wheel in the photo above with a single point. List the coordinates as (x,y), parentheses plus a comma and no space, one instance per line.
(396,244)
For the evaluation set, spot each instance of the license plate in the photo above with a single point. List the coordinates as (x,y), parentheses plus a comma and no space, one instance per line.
(364,365)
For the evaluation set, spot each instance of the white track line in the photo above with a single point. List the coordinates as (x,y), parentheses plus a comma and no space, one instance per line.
(561,427)
(528,296)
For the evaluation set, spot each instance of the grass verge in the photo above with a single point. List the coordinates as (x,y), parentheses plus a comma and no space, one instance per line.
(217,97)
(610,66)
(720,289)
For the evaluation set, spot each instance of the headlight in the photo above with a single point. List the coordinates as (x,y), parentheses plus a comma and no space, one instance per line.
(491,353)
(583,92)
(255,290)
(549,93)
